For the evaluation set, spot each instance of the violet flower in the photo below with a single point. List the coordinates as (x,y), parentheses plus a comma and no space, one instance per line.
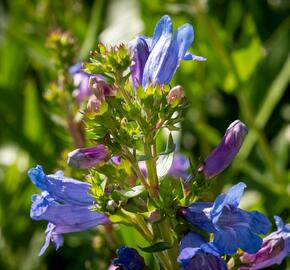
(61,188)
(81,82)
(221,157)
(275,248)
(156,59)
(62,218)
(128,259)
(197,254)
(232,227)
(84,158)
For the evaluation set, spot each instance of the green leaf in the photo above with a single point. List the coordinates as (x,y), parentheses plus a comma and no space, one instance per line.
(160,246)
(170,146)
(135,191)
(164,164)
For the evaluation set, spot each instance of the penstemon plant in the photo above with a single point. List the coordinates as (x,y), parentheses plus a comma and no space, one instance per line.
(128,102)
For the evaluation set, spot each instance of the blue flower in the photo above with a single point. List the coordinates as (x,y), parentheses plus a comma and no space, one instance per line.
(128,259)
(275,248)
(63,218)
(61,188)
(232,227)
(156,59)
(197,254)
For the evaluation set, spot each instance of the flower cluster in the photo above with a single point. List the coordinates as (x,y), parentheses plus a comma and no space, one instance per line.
(131,181)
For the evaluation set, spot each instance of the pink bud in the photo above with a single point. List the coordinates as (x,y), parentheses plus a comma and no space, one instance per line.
(175,95)
(84,158)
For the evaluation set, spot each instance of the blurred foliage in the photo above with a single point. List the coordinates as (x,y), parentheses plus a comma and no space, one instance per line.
(246,76)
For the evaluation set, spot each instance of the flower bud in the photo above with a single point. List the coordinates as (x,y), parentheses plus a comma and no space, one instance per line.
(101,88)
(224,153)
(111,205)
(84,158)
(175,95)
(94,104)
(154,216)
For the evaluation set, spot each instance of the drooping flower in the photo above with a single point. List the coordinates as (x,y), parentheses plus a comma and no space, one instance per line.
(232,227)
(275,248)
(197,254)
(156,59)
(61,188)
(128,259)
(63,218)
(84,158)
(221,157)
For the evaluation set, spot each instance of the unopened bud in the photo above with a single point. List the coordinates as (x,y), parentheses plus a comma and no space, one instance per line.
(175,95)
(224,153)
(84,158)
(101,88)
(94,104)
(111,205)
(154,216)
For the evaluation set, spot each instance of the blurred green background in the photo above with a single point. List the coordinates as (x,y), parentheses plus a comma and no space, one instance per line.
(246,76)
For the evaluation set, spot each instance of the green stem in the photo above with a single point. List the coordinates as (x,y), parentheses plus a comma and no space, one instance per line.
(151,168)
(135,166)
(172,253)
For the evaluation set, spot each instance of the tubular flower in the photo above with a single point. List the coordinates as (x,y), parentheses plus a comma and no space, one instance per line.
(275,248)
(156,59)
(232,227)
(221,157)
(62,218)
(84,158)
(61,188)
(128,259)
(197,254)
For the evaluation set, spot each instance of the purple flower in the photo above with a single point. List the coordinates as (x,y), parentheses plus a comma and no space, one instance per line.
(84,158)
(275,248)
(179,167)
(128,259)
(63,218)
(61,188)
(81,82)
(232,227)
(156,59)
(221,157)
(197,254)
